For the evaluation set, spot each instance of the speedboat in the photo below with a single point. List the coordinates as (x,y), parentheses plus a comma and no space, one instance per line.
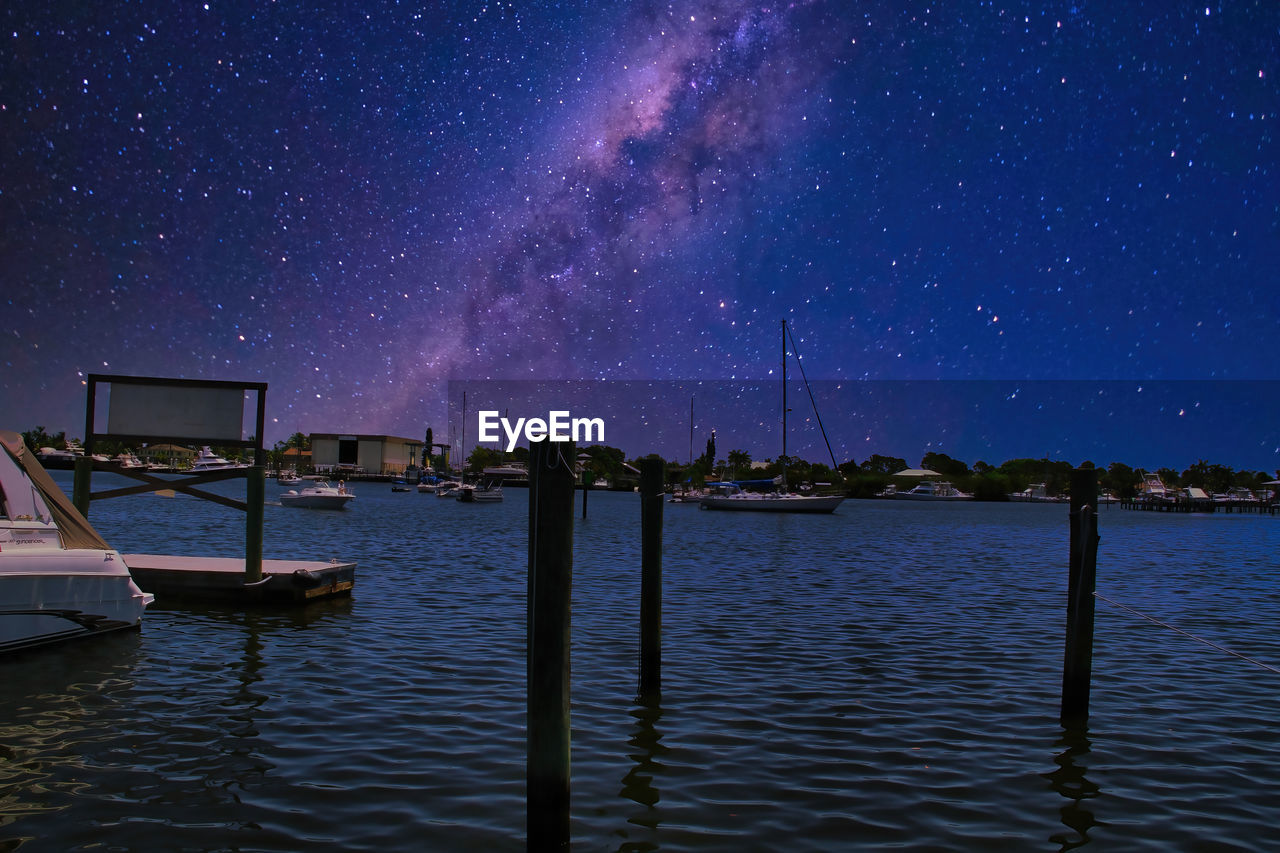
(932,490)
(728,496)
(59,579)
(207,460)
(320,495)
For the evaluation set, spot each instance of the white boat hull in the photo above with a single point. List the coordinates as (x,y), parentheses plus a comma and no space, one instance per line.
(316,501)
(772,503)
(58,595)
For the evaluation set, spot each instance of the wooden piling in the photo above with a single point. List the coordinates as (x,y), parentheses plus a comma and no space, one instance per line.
(255,500)
(82,484)
(651,500)
(1077,669)
(551,487)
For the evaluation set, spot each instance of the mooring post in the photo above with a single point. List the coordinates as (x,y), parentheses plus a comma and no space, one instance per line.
(1077,668)
(81,484)
(255,499)
(651,497)
(551,487)
(586,487)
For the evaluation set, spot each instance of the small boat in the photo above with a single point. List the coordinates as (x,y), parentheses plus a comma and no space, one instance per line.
(447,488)
(1036,493)
(486,493)
(932,490)
(207,460)
(59,580)
(288,478)
(399,486)
(319,495)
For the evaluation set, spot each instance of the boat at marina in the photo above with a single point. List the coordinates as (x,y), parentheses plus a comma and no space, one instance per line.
(482,493)
(288,478)
(728,496)
(59,580)
(732,497)
(931,490)
(207,460)
(319,495)
(1036,493)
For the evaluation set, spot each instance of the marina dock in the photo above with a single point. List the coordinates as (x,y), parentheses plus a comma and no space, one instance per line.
(221,579)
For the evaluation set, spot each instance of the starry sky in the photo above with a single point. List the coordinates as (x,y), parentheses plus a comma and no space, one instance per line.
(362,203)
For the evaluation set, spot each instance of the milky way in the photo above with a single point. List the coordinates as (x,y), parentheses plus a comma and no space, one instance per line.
(359,205)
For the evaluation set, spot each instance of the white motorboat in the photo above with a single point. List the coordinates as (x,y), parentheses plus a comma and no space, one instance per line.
(288,478)
(486,493)
(59,579)
(207,460)
(932,490)
(319,495)
(730,497)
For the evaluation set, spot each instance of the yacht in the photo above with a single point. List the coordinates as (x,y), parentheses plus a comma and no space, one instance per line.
(59,580)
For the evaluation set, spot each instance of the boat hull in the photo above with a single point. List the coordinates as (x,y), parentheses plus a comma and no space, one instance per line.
(316,501)
(63,595)
(772,503)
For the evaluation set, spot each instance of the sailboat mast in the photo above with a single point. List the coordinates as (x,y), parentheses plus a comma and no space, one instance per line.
(784,404)
(691,430)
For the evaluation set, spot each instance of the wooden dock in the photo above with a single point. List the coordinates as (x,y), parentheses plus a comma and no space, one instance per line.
(1183,504)
(221,579)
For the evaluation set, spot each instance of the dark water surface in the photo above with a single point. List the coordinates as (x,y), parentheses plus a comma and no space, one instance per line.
(887,677)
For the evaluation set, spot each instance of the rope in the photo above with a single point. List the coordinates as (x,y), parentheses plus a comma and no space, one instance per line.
(1178,630)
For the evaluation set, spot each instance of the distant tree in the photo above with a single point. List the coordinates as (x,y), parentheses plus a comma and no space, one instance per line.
(38,438)
(483,457)
(1169,477)
(739,460)
(1119,479)
(877,464)
(981,467)
(945,465)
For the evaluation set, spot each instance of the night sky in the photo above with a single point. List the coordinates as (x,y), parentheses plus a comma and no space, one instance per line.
(357,203)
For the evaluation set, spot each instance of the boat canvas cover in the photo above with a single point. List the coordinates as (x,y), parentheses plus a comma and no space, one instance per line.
(74,528)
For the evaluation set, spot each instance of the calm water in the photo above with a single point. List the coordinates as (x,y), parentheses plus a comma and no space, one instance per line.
(887,677)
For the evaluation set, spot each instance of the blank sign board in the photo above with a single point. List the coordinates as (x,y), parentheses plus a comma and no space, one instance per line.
(176,411)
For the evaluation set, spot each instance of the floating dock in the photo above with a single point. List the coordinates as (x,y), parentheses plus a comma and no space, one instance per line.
(221,579)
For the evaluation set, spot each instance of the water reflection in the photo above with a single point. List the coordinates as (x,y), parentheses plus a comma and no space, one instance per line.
(638,785)
(1069,780)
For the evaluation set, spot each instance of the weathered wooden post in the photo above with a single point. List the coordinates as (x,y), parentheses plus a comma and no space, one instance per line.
(81,484)
(551,482)
(586,487)
(651,497)
(1082,579)
(255,499)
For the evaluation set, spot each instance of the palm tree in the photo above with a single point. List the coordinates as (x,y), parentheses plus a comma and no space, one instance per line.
(738,459)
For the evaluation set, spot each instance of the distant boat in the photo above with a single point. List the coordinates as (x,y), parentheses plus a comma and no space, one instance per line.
(1035,493)
(932,490)
(288,478)
(207,460)
(400,486)
(59,580)
(320,495)
(728,496)
(731,497)
(486,493)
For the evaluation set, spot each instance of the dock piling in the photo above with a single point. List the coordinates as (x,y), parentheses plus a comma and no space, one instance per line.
(651,499)
(551,487)
(255,500)
(1077,669)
